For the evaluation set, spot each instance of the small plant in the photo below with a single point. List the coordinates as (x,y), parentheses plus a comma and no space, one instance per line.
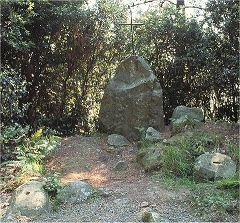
(29,156)
(177,160)
(52,185)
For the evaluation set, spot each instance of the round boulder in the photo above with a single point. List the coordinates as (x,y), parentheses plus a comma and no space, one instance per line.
(30,200)
(76,192)
(214,166)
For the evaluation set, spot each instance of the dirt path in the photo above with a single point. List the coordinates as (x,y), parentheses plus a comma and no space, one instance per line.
(89,159)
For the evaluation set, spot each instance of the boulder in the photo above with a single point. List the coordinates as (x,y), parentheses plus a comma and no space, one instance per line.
(132,99)
(120,166)
(214,166)
(149,157)
(117,140)
(189,113)
(30,200)
(76,192)
(153,135)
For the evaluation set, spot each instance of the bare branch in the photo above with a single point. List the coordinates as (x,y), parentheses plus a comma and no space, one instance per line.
(161,3)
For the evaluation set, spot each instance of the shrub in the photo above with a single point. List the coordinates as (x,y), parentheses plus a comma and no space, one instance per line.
(11,137)
(179,155)
(52,185)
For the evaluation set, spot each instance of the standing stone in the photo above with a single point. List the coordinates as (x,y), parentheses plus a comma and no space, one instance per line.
(132,99)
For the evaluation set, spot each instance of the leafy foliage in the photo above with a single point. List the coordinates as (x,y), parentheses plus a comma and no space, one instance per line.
(29,157)
(52,185)
(57,57)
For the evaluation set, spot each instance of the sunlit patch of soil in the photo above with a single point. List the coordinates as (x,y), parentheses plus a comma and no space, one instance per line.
(97,176)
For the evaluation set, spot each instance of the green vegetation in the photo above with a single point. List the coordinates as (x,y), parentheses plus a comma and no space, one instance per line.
(213,200)
(52,185)
(28,152)
(57,57)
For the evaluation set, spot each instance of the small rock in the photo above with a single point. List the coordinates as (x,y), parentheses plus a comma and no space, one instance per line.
(147,215)
(112,149)
(165,141)
(76,192)
(150,157)
(121,201)
(193,113)
(105,192)
(153,135)
(121,165)
(144,204)
(117,140)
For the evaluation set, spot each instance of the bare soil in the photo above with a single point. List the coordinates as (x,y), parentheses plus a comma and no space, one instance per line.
(91,159)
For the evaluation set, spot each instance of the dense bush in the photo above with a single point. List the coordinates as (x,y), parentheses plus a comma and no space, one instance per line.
(178,156)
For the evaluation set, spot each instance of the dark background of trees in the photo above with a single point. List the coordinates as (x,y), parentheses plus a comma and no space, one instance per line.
(57,56)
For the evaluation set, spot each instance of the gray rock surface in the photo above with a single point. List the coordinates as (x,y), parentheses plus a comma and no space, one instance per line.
(153,135)
(120,166)
(148,215)
(214,166)
(117,140)
(132,99)
(76,192)
(149,157)
(30,200)
(190,113)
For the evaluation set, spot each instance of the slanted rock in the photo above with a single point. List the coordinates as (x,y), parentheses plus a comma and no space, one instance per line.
(120,166)
(117,140)
(132,99)
(76,192)
(153,135)
(214,166)
(187,112)
(30,200)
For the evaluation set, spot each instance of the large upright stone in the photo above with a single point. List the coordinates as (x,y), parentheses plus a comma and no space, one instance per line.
(132,99)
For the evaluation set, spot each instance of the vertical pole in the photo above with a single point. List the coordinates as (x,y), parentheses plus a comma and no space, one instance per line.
(133,50)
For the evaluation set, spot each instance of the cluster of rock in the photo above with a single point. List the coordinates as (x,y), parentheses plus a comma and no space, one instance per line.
(209,166)
(31,200)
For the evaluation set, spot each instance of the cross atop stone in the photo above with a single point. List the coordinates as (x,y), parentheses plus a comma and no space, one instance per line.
(132,26)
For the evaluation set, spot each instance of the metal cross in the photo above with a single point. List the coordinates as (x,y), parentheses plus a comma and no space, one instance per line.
(132,26)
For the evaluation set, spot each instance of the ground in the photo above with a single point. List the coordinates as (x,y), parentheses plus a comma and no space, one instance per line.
(90,159)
